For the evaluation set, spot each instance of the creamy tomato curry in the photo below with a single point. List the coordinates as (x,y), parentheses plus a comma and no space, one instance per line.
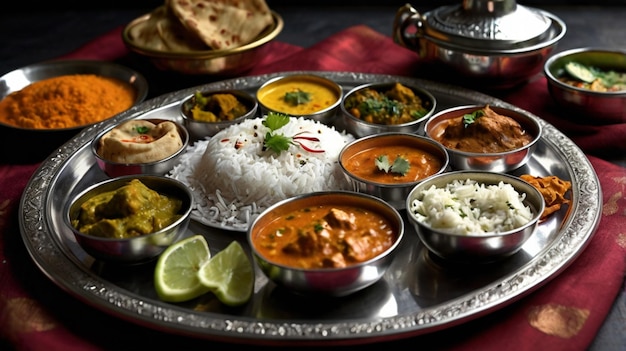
(325,236)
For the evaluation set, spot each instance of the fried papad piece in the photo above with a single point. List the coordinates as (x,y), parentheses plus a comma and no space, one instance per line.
(553,190)
(223,24)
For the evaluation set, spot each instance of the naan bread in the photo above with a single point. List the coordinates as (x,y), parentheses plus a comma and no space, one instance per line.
(140,141)
(223,24)
(164,32)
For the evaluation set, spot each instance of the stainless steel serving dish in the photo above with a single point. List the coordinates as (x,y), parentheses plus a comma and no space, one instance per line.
(139,249)
(327,281)
(49,139)
(495,44)
(201,129)
(415,287)
(393,193)
(475,248)
(587,106)
(495,162)
(360,128)
(161,167)
(224,63)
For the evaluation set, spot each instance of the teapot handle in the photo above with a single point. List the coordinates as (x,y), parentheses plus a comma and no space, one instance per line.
(408,27)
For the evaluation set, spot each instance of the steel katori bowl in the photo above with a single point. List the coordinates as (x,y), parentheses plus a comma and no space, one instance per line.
(225,62)
(489,44)
(429,158)
(324,94)
(587,106)
(339,281)
(505,161)
(448,238)
(199,129)
(360,100)
(50,139)
(136,249)
(154,167)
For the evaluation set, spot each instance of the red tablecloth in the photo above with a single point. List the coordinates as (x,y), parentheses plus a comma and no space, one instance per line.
(565,314)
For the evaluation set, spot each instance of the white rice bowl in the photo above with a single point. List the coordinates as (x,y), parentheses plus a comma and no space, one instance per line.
(234,179)
(469,207)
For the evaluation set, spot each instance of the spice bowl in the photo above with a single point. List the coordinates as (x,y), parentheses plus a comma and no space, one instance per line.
(474,142)
(145,236)
(140,146)
(48,139)
(386,107)
(580,91)
(435,207)
(301,95)
(207,112)
(316,275)
(389,165)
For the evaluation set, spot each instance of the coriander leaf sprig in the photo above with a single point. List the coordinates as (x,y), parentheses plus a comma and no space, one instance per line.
(400,165)
(279,142)
(470,118)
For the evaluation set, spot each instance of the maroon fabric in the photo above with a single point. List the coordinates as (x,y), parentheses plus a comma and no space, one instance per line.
(565,314)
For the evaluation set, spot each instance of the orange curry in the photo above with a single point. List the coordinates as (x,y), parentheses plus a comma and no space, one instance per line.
(325,236)
(421,164)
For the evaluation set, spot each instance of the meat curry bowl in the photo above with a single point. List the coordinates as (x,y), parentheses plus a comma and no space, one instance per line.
(129,219)
(484,137)
(386,107)
(301,95)
(474,216)
(207,112)
(389,165)
(326,243)
(140,146)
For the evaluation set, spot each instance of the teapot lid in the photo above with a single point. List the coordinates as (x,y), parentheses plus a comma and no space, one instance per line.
(488,24)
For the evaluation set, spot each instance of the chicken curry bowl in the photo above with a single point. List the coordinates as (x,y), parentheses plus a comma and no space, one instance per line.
(323,241)
(484,137)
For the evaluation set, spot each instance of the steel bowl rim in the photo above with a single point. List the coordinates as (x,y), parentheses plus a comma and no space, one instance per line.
(380,256)
(562,55)
(526,147)
(423,91)
(436,144)
(121,179)
(459,175)
(294,75)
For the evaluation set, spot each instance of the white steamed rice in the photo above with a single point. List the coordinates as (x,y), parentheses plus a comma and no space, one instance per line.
(469,207)
(234,180)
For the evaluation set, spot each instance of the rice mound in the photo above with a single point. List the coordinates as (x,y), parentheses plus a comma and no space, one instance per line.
(239,178)
(469,207)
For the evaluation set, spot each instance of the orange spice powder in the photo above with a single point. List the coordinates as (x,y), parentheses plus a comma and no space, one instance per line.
(66,101)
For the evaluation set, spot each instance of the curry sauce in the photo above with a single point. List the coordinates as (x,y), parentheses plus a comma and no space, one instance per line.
(325,236)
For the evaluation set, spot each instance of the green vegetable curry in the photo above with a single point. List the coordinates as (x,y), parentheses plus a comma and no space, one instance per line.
(130,211)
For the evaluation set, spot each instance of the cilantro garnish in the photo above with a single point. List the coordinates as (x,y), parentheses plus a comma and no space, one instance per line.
(373,106)
(400,164)
(470,118)
(142,129)
(279,142)
(297,97)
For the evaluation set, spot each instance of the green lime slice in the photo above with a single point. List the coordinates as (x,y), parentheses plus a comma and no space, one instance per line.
(176,271)
(229,274)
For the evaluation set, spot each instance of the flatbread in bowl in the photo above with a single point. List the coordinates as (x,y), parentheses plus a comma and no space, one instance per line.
(181,40)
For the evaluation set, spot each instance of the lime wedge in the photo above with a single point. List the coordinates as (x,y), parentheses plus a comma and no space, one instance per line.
(580,72)
(229,275)
(176,271)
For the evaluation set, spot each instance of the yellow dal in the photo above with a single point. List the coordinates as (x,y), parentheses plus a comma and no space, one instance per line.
(273,97)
